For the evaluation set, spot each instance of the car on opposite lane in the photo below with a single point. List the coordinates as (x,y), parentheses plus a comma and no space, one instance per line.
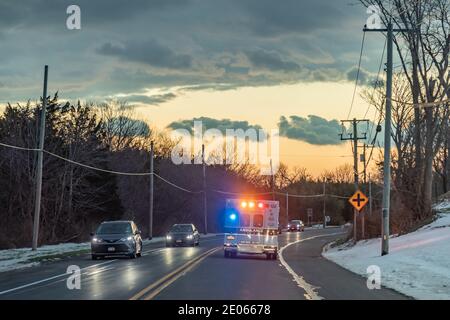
(183,234)
(296,225)
(116,238)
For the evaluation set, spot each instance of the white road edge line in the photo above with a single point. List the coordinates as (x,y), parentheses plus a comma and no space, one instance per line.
(65,274)
(62,275)
(310,290)
(52,278)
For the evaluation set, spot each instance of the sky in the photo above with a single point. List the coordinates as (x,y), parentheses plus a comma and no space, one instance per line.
(287,64)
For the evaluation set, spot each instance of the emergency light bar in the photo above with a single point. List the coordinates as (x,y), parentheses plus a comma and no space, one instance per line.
(251,205)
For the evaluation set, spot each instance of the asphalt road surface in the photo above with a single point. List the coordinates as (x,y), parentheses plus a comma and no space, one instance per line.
(200,273)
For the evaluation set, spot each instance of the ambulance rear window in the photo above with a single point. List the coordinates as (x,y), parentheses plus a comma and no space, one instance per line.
(258,221)
(245,220)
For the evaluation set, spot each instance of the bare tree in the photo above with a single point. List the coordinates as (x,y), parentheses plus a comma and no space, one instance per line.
(424,51)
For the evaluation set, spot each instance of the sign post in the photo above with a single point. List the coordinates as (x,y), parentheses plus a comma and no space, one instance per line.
(309,211)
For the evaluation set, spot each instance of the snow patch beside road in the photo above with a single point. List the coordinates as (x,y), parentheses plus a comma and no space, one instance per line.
(418,264)
(12,259)
(444,206)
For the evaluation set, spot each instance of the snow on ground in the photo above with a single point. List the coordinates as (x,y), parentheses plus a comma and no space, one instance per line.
(444,206)
(320,226)
(12,259)
(417,265)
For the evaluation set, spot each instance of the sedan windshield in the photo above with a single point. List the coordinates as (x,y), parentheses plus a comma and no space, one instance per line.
(181,228)
(114,228)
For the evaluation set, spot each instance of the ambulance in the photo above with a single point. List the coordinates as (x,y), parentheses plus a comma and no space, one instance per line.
(251,227)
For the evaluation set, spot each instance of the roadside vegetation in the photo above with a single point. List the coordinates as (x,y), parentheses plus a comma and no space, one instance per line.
(111,136)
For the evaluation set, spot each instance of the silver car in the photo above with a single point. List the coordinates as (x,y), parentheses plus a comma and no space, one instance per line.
(116,238)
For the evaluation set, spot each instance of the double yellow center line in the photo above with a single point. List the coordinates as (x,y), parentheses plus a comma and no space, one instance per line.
(155,288)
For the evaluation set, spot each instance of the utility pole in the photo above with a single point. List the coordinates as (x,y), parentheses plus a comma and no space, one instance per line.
(205,209)
(355,153)
(273,181)
(40,159)
(370,195)
(387,135)
(363,212)
(363,160)
(150,219)
(287,207)
(324,204)
(355,168)
(354,137)
(387,146)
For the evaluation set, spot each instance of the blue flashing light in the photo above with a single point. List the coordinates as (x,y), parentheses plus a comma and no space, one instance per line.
(233,216)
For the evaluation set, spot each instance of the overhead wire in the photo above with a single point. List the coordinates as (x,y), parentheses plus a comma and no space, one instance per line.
(164,179)
(357,75)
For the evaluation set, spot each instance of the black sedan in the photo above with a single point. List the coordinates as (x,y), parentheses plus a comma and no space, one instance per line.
(296,225)
(182,234)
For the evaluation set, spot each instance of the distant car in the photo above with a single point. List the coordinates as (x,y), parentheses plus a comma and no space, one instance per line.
(296,225)
(116,238)
(183,234)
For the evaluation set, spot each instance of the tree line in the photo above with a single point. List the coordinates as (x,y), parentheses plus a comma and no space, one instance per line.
(75,199)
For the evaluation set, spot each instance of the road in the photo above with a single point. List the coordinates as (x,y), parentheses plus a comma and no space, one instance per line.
(200,273)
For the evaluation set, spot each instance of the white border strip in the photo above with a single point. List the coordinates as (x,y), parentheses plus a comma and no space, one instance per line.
(311,291)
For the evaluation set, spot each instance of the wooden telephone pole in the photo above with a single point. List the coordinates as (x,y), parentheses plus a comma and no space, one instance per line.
(354,138)
(387,134)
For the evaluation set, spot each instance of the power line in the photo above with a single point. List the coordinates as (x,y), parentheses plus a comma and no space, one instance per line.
(166,180)
(176,186)
(433,104)
(241,194)
(18,148)
(336,196)
(376,110)
(315,156)
(357,75)
(98,169)
(301,195)
(376,81)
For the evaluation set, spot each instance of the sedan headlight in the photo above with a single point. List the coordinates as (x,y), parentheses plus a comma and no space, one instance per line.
(95,240)
(130,238)
(190,237)
(169,237)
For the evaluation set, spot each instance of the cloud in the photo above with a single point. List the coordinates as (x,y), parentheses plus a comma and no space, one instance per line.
(152,100)
(45,13)
(365,77)
(125,47)
(313,129)
(149,52)
(209,123)
(268,18)
(270,60)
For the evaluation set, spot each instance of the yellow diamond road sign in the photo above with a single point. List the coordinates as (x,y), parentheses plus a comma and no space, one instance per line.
(358,200)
